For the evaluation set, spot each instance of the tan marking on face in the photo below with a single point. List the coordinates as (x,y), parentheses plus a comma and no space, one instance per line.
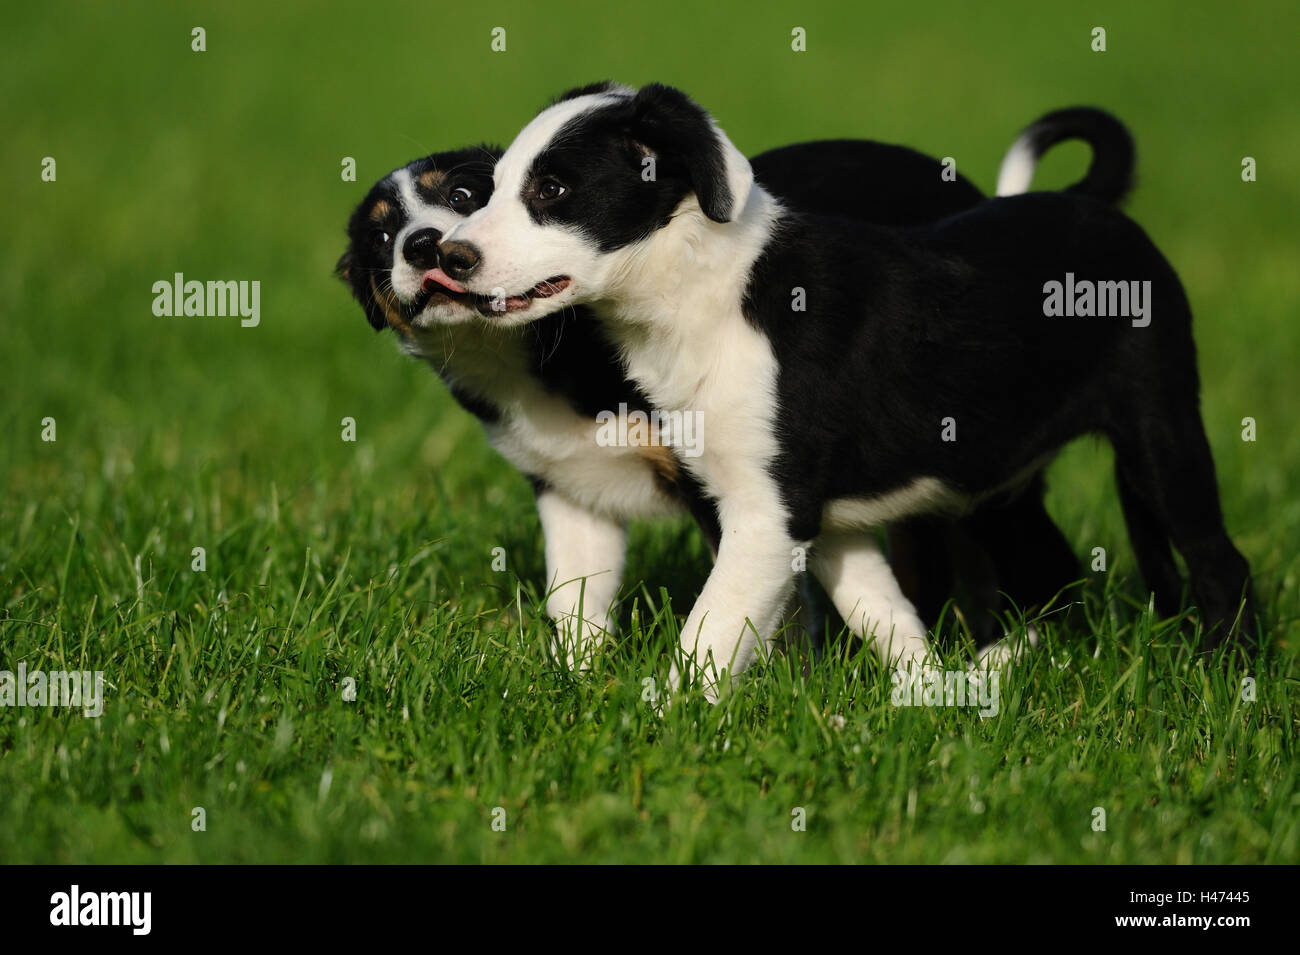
(432,178)
(380,212)
(388,303)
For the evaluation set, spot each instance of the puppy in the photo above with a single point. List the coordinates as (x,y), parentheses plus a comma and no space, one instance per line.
(931,368)
(539,391)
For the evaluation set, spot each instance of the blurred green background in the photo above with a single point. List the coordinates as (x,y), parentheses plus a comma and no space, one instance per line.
(225,164)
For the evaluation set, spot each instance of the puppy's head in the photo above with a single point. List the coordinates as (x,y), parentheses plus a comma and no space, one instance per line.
(592,176)
(393,239)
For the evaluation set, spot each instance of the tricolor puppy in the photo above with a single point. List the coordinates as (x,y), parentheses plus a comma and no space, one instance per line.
(929,370)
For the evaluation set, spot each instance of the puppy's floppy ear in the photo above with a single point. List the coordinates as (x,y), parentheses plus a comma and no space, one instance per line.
(343,268)
(351,272)
(669,122)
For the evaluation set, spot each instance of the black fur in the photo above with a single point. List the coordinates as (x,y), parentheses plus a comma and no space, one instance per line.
(1110,175)
(908,327)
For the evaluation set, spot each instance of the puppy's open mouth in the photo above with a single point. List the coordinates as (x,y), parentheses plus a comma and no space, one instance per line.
(438,283)
(436,297)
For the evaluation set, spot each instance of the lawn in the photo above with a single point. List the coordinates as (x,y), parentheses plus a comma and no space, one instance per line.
(350,678)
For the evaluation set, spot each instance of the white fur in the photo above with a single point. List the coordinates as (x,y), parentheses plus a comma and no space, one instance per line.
(742,603)
(584,565)
(864,590)
(1010,648)
(539,432)
(419,215)
(924,494)
(687,344)
(1018,166)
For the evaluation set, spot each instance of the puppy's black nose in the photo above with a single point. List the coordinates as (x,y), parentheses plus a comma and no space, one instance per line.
(421,248)
(458,259)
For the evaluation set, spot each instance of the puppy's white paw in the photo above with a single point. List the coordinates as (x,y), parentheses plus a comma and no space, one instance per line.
(577,646)
(915,654)
(1009,649)
(676,684)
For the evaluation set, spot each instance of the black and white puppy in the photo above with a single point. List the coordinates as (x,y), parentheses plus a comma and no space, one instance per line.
(539,390)
(932,369)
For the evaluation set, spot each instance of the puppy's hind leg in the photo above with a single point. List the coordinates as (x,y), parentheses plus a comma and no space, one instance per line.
(1150,543)
(1033,561)
(862,586)
(920,554)
(1166,463)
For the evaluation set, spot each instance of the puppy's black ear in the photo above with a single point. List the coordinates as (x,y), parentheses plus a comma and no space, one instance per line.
(343,268)
(667,121)
(354,275)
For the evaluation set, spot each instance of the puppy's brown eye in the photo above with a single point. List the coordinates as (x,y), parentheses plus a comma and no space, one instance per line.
(460,196)
(382,239)
(550,189)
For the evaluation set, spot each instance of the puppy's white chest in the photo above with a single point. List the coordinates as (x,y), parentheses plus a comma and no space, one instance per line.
(722,380)
(545,438)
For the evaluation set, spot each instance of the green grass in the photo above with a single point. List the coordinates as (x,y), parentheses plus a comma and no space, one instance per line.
(372,560)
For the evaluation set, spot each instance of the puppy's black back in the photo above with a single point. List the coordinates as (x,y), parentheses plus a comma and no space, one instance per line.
(863,180)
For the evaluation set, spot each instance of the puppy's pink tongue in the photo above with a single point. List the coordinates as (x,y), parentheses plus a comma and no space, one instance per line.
(439,277)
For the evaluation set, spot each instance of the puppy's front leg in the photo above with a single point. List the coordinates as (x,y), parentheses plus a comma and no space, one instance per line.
(742,601)
(862,586)
(584,565)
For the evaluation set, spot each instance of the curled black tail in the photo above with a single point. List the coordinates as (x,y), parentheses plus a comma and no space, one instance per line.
(1114,157)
